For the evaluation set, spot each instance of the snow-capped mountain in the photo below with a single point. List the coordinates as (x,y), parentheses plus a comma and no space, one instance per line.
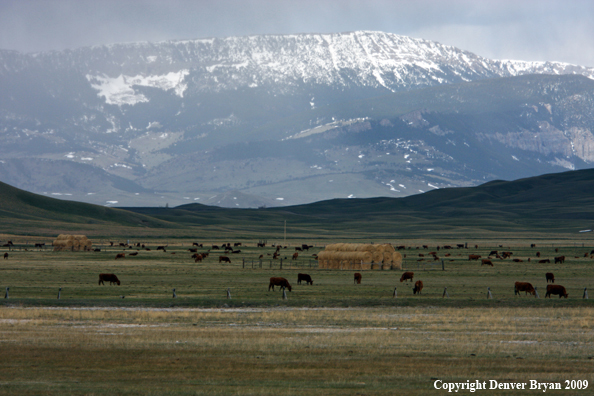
(194,119)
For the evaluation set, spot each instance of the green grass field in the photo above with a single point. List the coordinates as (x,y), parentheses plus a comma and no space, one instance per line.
(329,338)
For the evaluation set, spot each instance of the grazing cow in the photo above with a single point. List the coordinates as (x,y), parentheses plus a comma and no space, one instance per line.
(401,247)
(161,248)
(506,254)
(261,244)
(358,278)
(550,277)
(197,257)
(486,262)
(120,255)
(216,247)
(133,254)
(298,249)
(305,247)
(275,255)
(304,277)
(524,287)
(40,245)
(421,255)
(111,278)
(518,261)
(473,257)
(418,287)
(460,245)
(532,245)
(560,259)
(493,253)
(235,251)
(407,276)
(278,281)
(192,250)
(556,289)
(295,255)
(537,254)
(5,256)
(224,259)
(544,261)
(237,244)
(96,250)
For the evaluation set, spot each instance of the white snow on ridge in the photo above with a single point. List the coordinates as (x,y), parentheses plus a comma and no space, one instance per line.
(120,90)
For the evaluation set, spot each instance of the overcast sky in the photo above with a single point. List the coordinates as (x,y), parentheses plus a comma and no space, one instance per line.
(555,30)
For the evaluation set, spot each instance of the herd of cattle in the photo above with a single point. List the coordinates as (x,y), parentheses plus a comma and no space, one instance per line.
(552,289)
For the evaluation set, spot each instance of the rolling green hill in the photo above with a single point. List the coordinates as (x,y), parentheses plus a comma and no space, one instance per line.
(547,206)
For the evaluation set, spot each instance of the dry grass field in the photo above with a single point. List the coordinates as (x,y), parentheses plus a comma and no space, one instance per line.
(330,338)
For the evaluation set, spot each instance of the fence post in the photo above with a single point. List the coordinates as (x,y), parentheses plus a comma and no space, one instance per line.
(536,293)
(395,294)
(442,265)
(445,293)
(59,292)
(489,295)
(228,294)
(6,295)
(243,264)
(585,293)
(174,295)
(284,293)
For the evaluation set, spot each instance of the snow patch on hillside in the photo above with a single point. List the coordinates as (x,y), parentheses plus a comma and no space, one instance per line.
(120,90)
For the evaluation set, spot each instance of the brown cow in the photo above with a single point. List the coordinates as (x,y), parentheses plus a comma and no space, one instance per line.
(224,259)
(278,281)
(133,254)
(304,277)
(473,257)
(5,256)
(486,262)
(550,277)
(556,289)
(406,276)
(545,261)
(357,278)
(518,261)
(120,255)
(418,287)
(111,278)
(295,255)
(560,259)
(524,287)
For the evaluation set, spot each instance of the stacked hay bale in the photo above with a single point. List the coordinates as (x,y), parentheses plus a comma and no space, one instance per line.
(359,256)
(72,243)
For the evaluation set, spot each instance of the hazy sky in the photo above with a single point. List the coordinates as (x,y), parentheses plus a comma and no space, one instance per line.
(556,30)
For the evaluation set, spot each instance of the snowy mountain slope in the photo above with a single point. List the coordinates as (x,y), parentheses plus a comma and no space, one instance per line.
(170,115)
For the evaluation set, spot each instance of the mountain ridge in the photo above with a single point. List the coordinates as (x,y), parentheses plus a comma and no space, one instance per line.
(167,116)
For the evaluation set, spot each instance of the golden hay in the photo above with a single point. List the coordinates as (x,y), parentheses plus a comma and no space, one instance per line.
(72,243)
(359,256)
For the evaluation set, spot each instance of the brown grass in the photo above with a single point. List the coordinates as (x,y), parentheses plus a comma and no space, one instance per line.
(287,350)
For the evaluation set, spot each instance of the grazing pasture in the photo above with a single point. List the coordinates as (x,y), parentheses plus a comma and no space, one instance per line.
(329,338)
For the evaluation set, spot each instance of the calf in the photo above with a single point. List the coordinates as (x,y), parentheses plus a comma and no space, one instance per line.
(295,255)
(357,278)
(111,278)
(418,287)
(550,277)
(407,276)
(556,289)
(278,281)
(224,259)
(524,287)
(486,262)
(120,255)
(304,277)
